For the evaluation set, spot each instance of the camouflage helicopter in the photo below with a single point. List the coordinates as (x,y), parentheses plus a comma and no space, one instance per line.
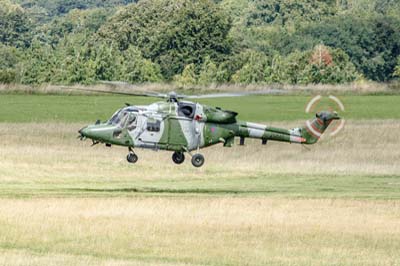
(185,127)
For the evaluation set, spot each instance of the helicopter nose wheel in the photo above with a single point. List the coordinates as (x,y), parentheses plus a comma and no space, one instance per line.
(132,157)
(178,157)
(197,160)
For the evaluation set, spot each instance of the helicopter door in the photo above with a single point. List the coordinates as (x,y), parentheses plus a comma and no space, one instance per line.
(152,130)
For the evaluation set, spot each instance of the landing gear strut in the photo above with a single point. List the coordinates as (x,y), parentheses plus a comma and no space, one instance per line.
(178,157)
(131,157)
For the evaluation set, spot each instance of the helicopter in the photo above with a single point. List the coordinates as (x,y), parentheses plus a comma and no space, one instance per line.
(183,126)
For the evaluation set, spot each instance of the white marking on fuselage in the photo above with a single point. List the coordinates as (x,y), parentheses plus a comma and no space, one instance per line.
(188,131)
(295,131)
(256,133)
(256,126)
(200,124)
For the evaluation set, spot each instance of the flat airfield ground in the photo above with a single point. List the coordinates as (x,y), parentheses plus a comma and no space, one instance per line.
(333,203)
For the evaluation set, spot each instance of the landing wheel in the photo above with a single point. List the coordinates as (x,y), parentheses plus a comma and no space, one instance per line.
(131,157)
(197,160)
(178,157)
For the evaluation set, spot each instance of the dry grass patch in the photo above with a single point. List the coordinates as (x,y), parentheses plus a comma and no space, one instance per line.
(200,231)
(17,257)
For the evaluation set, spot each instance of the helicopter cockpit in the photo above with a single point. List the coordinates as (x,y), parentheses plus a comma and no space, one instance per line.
(124,117)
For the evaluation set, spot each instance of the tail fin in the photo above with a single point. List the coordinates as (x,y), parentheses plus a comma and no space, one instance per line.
(314,129)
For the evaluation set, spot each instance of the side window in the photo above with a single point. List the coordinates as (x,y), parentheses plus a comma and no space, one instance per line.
(153,125)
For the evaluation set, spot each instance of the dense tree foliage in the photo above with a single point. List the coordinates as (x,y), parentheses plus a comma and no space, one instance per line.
(199,42)
(172,33)
(396,72)
(53,8)
(372,43)
(15,25)
(284,12)
(75,22)
(9,57)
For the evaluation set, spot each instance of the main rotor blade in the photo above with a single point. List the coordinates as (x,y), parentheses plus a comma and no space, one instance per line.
(123,84)
(233,94)
(171,95)
(142,94)
(203,96)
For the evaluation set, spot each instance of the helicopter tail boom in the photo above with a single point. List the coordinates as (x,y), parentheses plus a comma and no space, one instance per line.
(265,133)
(309,134)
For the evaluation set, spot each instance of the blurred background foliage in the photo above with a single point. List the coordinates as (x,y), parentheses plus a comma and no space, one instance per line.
(199,42)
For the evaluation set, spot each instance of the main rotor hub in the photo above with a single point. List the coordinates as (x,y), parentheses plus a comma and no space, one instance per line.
(173,97)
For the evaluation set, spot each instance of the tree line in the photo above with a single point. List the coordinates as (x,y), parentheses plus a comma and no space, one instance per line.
(199,42)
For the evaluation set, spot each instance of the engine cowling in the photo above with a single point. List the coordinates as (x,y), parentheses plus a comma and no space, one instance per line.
(217,115)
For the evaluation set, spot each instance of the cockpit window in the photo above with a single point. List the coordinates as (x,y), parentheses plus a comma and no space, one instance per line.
(122,117)
(115,118)
(132,121)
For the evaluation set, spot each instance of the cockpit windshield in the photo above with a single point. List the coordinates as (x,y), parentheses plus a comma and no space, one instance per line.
(123,116)
(115,118)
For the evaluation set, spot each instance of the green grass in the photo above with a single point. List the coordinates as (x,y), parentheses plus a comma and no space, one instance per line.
(303,186)
(44,108)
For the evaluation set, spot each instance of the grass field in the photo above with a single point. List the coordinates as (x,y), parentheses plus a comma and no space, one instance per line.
(64,203)
(61,108)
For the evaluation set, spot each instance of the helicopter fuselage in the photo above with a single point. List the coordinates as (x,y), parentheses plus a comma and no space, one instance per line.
(187,126)
(175,126)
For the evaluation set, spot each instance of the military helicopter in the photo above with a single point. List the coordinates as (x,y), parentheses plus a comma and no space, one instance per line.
(183,126)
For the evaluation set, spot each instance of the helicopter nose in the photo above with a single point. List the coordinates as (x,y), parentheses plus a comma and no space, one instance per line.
(96,132)
(89,132)
(82,131)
